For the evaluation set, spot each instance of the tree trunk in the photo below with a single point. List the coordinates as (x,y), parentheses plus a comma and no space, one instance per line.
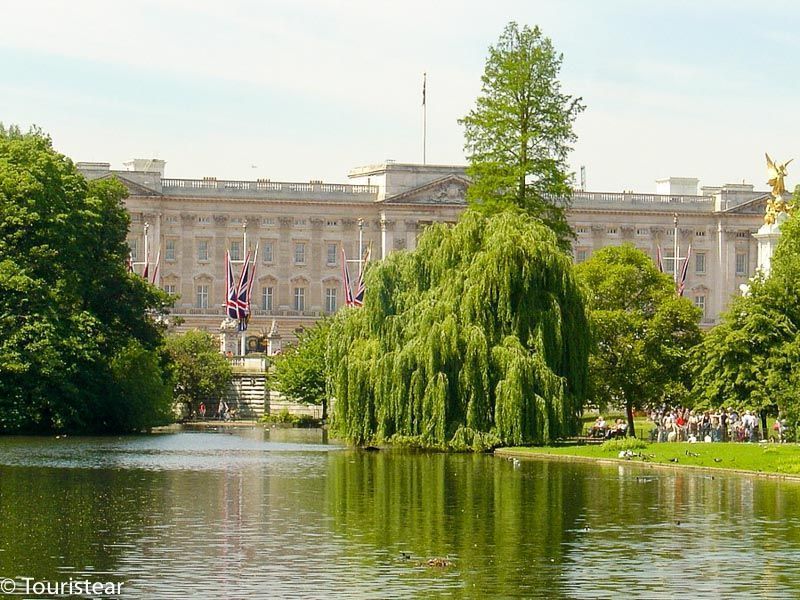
(629,412)
(324,411)
(764,431)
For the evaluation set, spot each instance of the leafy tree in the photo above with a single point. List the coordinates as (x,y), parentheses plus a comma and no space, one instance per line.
(300,371)
(477,338)
(750,359)
(643,333)
(200,372)
(68,306)
(520,132)
(144,390)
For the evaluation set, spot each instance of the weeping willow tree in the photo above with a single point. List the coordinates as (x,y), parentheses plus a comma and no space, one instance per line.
(477,338)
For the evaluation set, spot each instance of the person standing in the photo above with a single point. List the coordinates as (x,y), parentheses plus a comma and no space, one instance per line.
(203,411)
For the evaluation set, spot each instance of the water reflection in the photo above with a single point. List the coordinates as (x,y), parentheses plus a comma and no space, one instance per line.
(250,513)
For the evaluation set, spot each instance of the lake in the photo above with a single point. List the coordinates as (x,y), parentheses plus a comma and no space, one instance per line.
(254,513)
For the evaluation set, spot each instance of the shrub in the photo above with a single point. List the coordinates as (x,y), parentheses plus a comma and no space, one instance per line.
(621,444)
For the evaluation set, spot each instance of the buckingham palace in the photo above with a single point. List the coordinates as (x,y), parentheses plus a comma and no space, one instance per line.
(300,229)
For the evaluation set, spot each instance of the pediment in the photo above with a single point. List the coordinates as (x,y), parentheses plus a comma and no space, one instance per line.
(134,189)
(756,206)
(451,189)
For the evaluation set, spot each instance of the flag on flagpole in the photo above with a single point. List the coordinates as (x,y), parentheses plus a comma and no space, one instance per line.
(684,271)
(348,290)
(155,268)
(230,288)
(360,289)
(242,306)
(146,267)
(659,259)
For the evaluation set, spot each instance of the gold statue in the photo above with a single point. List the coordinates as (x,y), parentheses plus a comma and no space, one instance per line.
(776,204)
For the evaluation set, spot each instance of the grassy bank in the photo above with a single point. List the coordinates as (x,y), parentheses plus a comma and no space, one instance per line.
(783,459)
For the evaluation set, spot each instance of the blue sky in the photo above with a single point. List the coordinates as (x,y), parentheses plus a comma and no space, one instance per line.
(308,89)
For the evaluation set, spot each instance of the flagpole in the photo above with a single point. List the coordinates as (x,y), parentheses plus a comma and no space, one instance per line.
(424,120)
(675,254)
(146,254)
(360,244)
(243,340)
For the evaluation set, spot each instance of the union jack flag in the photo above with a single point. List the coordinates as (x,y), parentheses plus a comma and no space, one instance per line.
(155,268)
(681,283)
(230,289)
(348,289)
(242,296)
(358,294)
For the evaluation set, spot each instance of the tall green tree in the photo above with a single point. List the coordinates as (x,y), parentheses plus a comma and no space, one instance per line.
(200,372)
(750,359)
(520,131)
(300,371)
(68,306)
(476,338)
(643,333)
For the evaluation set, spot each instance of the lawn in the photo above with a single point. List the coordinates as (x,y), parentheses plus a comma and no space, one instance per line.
(761,458)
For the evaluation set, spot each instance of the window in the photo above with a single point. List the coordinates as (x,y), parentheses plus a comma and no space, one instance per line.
(236,250)
(580,255)
(330,300)
(203,220)
(700,233)
(201,300)
(266,298)
(332,248)
(202,249)
(700,302)
(743,235)
(169,250)
(171,219)
(700,263)
(299,253)
(741,264)
(364,246)
(236,220)
(169,288)
(299,299)
(642,231)
(330,223)
(611,231)
(266,222)
(669,263)
(299,222)
(134,246)
(267,255)
(581,229)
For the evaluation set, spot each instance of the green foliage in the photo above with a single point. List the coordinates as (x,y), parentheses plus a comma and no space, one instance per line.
(643,333)
(520,132)
(68,306)
(750,359)
(621,444)
(479,335)
(144,393)
(300,371)
(200,372)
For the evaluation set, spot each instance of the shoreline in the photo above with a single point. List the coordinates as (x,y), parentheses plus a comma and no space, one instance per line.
(534,455)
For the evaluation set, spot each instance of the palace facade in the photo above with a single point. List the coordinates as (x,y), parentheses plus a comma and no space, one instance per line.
(300,229)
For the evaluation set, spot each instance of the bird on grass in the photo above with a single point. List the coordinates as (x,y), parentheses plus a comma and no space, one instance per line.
(673,460)
(717,460)
(695,454)
(405,555)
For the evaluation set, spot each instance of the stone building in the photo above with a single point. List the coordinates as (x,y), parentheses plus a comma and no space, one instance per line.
(300,228)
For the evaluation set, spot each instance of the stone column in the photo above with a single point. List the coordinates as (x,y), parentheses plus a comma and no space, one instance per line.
(768,236)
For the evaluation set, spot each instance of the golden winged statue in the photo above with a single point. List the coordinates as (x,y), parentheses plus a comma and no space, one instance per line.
(776,204)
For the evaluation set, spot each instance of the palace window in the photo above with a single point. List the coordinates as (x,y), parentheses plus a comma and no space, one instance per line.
(201,299)
(700,233)
(202,249)
(134,246)
(169,249)
(171,219)
(741,264)
(267,253)
(642,231)
(332,251)
(300,253)
(612,231)
(581,255)
(268,221)
(204,220)
(300,299)
(669,264)
(169,288)
(330,223)
(236,250)
(330,300)
(700,263)
(743,235)
(266,298)
(581,229)
(700,302)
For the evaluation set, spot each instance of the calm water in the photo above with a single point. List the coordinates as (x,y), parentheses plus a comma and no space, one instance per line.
(257,514)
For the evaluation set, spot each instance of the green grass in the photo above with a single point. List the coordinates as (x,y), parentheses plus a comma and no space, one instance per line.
(760,458)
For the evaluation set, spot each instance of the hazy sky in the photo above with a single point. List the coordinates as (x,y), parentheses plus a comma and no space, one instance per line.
(308,89)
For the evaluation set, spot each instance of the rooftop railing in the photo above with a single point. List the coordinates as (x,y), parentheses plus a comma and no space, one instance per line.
(228,185)
(650,200)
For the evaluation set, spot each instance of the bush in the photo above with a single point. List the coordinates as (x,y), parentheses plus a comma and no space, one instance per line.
(621,444)
(284,417)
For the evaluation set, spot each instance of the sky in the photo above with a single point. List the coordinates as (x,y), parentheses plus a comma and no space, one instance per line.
(295,90)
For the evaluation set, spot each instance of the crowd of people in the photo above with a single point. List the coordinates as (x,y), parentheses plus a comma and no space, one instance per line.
(718,425)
